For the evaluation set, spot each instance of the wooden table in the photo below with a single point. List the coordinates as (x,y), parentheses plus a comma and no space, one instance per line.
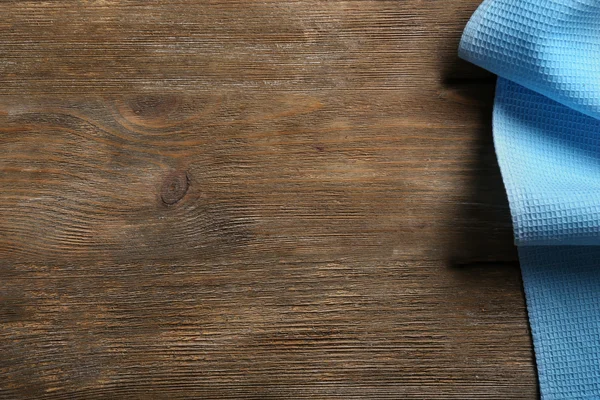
(252,199)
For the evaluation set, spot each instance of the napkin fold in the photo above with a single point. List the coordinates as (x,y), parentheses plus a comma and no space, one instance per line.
(546,126)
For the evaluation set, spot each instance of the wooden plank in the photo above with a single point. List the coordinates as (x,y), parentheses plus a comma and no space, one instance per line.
(135,46)
(272,330)
(252,200)
(359,176)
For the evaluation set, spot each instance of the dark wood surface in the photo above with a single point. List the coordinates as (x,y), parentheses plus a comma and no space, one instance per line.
(252,199)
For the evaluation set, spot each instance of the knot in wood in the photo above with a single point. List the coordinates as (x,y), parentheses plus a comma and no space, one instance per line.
(152,106)
(174,187)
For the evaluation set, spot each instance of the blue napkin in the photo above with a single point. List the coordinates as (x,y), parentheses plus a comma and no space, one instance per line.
(546,127)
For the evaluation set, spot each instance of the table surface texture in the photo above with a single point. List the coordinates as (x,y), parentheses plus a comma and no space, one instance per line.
(252,200)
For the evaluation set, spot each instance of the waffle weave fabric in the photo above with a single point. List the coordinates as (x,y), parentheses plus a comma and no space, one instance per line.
(546,127)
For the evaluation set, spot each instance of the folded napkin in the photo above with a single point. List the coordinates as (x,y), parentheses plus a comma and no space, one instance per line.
(546,126)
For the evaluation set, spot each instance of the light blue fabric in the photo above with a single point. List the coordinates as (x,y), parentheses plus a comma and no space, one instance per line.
(547,137)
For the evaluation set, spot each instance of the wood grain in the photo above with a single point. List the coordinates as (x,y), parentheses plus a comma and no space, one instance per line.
(222,199)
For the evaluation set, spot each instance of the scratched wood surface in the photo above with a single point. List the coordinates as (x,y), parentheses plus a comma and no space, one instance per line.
(252,199)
